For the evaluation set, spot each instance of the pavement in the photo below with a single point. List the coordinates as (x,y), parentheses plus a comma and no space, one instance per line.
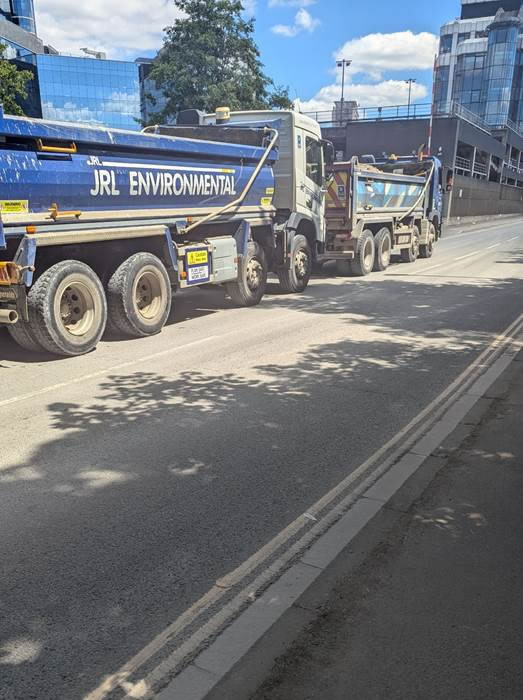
(435,610)
(135,478)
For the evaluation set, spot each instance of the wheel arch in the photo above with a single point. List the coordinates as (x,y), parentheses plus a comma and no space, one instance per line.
(298,224)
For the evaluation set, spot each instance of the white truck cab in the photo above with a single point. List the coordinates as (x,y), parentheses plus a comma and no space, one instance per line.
(300,186)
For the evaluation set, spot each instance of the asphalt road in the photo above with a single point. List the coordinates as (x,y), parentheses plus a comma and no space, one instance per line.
(133,478)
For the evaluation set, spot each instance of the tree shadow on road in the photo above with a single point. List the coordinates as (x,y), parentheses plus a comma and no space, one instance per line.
(107,522)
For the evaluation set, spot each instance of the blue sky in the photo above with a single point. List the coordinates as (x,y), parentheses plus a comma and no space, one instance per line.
(305,61)
(298,39)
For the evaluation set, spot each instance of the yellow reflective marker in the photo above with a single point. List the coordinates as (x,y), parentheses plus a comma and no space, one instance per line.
(14,206)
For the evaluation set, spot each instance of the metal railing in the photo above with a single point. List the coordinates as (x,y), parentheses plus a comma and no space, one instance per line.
(463,164)
(480,169)
(454,109)
(333,118)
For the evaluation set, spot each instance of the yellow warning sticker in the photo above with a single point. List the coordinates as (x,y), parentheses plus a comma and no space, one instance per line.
(14,206)
(266,201)
(197,257)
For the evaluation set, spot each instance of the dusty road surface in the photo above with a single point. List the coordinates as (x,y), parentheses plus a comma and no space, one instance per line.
(134,478)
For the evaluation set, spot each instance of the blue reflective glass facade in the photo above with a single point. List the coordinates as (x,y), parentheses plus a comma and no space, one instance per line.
(14,50)
(441,86)
(89,90)
(24,14)
(500,64)
(480,64)
(20,12)
(516,105)
(468,81)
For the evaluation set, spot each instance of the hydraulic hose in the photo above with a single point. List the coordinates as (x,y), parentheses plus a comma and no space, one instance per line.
(245,190)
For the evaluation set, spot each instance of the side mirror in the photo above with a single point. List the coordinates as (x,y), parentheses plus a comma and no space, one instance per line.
(329,155)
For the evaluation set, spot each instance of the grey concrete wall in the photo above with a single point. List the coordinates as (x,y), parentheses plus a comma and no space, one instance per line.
(472,197)
(12,32)
(400,136)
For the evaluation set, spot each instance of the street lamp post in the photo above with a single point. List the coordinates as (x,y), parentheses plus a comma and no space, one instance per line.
(409,82)
(344,63)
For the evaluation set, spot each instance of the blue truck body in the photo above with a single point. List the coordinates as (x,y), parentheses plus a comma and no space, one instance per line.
(44,164)
(101,198)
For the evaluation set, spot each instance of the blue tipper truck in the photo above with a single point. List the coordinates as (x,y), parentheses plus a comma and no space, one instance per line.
(98,227)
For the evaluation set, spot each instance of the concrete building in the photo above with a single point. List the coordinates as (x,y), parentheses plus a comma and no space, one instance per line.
(345,111)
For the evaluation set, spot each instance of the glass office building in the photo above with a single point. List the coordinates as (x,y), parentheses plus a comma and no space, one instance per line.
(69,88)
(19,12)
(89,90)
(480,62)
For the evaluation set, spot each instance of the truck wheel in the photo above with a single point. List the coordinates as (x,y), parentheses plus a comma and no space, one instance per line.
(68,309)
(364,257)
(411,254)
(139,296)
(22,334)
(383,245)
(249,289)
(343,268)
(296,278)
(426,250)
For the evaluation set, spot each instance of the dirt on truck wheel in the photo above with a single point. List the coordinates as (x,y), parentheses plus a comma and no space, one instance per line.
(139,296)
(364,256)
(23,336)
(68,309)
(249,288)
(296,277)
(383,244)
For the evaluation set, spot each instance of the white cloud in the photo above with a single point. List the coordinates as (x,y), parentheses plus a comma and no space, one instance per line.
(372,57)
(121,29)
(382,94)
(374,54)
(303,22)
(291,3)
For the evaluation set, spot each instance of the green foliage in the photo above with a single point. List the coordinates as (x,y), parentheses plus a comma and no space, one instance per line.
(210,59)
(13,84)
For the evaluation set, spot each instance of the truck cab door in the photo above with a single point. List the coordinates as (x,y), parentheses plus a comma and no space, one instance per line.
(311,180)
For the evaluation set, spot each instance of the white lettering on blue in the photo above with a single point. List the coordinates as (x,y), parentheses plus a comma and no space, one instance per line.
(104,184)
(163,184)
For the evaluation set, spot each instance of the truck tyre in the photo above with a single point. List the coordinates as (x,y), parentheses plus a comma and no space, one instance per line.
(139,296)
(343,268)
(68,309)
(317,268)
(249,289)
(297,276)
(364,256)
(409,255)
(383,245)
(426,250)
(23,336)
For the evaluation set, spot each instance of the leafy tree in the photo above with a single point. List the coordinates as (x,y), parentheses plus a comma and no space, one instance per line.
(210,59)
(13,84)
